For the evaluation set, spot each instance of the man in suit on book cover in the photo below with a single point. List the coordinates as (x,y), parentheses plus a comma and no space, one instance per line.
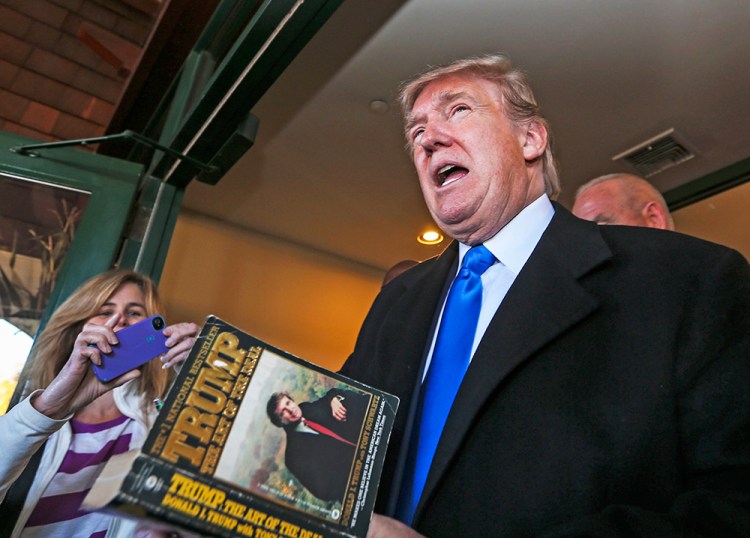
(321,438)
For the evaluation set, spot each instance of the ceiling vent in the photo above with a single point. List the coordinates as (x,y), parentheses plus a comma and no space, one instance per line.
(656,154)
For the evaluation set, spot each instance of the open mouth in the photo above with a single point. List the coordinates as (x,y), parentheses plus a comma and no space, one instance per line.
(449,173)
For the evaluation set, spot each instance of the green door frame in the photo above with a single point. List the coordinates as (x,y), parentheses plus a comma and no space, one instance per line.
(204,124)
(206,112)
(112,184)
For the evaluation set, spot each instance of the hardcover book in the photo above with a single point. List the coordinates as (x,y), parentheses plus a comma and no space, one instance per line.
(253,441)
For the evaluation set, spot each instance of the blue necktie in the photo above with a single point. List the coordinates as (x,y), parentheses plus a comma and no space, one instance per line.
(450,359)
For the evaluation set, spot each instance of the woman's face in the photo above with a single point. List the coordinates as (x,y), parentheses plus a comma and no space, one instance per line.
(128,301)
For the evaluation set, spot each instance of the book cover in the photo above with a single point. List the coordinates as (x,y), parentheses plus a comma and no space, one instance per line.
(253,441)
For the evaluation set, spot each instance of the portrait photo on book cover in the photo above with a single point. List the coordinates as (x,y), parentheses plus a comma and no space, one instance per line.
(299,442)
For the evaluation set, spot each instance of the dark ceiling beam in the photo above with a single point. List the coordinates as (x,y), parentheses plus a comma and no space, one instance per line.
(177,28)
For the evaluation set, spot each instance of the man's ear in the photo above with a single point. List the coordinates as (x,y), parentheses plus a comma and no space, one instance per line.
(534,141)
(654,216)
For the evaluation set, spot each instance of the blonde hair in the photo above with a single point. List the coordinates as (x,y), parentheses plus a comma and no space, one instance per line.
(520,104)
(54,344)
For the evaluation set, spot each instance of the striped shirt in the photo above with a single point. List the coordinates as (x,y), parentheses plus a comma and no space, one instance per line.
(58,512)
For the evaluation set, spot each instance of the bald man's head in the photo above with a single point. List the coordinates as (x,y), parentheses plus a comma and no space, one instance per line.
(622,199)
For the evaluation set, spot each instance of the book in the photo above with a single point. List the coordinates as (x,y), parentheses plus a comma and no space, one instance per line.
(254,441)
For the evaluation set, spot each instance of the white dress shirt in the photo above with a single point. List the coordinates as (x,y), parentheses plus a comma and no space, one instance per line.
(512,246)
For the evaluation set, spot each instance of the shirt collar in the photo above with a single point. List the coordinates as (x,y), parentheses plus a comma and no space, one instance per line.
(515,242)
(302,426)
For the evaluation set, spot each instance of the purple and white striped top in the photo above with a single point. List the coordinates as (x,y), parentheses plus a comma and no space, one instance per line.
(58,512)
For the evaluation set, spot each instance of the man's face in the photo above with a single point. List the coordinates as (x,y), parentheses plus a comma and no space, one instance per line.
(288,411)
(470,159)
(605,203)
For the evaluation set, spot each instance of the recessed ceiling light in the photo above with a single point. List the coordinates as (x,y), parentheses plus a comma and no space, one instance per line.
(379,106)
(430,237)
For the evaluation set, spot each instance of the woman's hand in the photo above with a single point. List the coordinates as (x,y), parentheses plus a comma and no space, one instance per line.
(76,386)
(180,339)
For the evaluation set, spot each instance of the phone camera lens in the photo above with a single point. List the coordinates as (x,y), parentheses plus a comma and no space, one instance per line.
(158,323)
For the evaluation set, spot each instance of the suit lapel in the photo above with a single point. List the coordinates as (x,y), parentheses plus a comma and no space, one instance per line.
(544,301)
(405,350)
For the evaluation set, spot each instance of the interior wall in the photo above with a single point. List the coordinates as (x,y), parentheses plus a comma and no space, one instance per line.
(304,302)
(312,304)
(722,218)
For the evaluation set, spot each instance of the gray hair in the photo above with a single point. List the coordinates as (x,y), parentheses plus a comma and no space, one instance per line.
(637,191)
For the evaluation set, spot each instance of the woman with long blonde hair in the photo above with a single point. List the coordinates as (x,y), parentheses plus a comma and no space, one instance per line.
(81,421)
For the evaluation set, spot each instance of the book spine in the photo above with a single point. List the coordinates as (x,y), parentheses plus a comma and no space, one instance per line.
(165,492)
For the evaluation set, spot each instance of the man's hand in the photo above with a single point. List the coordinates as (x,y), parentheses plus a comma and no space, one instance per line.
(338,409)
(180,339)
(385,527)
(76,386)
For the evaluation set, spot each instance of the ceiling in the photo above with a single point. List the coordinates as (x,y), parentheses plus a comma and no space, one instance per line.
(329,174)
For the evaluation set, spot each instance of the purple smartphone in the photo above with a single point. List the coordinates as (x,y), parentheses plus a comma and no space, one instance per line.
(137,344)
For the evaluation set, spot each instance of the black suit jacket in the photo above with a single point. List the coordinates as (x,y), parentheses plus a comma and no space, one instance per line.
(321,463)
(608,397)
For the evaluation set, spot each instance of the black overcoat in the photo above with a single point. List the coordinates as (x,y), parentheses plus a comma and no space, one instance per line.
(609,396)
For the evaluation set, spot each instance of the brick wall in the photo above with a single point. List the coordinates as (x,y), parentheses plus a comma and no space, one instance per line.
(64,63)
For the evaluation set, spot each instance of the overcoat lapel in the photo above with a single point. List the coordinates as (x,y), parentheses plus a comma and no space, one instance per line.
(405,348)
(401,355)
(545,300)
